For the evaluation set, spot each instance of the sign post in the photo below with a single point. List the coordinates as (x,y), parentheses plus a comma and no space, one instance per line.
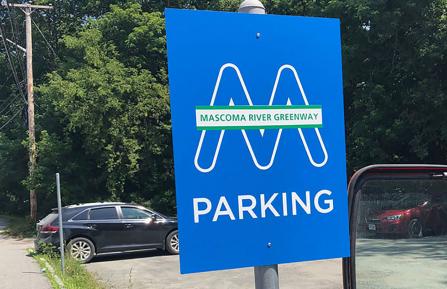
(61,228)
(258,135)
(266,277)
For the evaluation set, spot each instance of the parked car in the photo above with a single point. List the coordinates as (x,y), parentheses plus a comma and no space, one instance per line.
(97,228)
(412,216)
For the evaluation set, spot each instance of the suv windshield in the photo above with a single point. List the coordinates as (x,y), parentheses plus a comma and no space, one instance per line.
(48,219)
(410,201)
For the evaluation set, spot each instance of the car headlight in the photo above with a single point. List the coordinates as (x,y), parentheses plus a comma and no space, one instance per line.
(393,217)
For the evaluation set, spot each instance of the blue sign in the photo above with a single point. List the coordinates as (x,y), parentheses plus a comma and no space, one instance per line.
(259,139)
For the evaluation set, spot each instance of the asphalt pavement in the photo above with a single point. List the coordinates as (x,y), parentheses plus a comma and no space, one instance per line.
(380,264)
(402,263)
(17,270)
(3,224)
(156,270)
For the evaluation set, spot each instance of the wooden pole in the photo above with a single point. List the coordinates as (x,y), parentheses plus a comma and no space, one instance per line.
(31,125)
(28,10)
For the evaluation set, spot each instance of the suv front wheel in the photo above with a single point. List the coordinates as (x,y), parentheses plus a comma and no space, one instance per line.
(81,249)
(172,243)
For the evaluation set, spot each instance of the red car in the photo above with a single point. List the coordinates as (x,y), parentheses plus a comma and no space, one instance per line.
(413,216)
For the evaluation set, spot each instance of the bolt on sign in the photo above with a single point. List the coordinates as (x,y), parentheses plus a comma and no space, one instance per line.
(259,144)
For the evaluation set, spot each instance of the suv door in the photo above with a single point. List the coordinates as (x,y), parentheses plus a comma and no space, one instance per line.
(398,224)
(141,227)
(105,227)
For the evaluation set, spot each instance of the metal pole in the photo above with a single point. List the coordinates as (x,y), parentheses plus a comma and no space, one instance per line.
(266,277)
(61,229)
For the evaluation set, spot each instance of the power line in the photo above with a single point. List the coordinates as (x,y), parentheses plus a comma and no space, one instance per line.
(6,80)
(12,61)
(7,109)
(15,38)
(9,104)
(5,101)
(9,120)
(11,64)
(46,41)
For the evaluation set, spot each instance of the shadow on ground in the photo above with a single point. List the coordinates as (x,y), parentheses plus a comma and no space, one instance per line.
(129,255)
(434,248)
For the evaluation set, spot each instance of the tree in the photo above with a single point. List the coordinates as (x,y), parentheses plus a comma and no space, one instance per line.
(113,103)
(103,110)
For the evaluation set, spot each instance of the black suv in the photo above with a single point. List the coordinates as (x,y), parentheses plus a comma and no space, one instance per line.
(91,229)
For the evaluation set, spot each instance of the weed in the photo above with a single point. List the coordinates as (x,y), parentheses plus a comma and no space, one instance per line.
(76,275)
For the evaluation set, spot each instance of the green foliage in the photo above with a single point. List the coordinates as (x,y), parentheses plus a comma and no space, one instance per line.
(103,109)
(76,276)
(48,250)
(20,227)
(13,162)
(111,102)
(394,91)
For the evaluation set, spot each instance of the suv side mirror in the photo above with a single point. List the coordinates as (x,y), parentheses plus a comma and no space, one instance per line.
(395,242)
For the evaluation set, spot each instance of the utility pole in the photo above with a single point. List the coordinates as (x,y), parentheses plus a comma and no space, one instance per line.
(28,9)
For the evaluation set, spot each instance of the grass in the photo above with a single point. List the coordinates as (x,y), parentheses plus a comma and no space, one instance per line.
(75,277)
(19,227)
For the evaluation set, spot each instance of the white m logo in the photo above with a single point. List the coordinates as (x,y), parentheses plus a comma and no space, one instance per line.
(247,141)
